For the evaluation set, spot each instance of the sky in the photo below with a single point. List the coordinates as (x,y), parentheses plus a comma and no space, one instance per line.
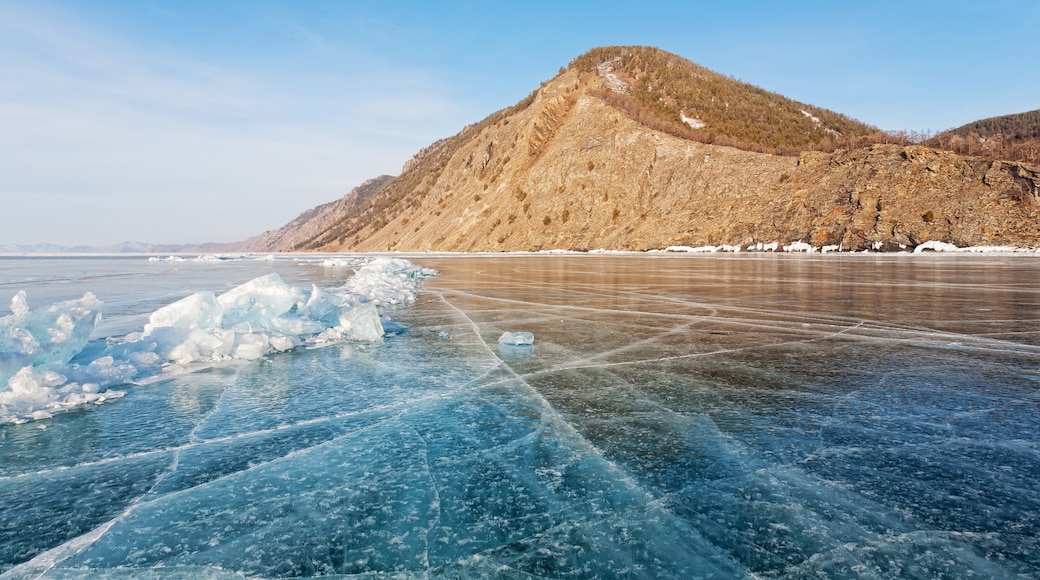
(212,121)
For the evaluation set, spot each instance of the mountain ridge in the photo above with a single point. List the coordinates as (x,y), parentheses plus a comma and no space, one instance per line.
(1015,137)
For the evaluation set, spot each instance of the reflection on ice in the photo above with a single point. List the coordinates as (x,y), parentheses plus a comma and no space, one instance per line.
(674,421)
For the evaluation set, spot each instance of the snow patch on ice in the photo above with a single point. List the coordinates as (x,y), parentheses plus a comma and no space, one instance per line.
(936,246)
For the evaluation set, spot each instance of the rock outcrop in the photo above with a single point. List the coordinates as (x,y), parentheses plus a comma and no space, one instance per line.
(566,169)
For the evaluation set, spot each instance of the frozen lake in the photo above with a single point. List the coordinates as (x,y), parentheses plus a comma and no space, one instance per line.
(789,416)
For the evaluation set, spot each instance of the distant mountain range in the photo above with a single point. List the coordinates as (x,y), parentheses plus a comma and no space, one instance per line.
(129,247)
(634,148)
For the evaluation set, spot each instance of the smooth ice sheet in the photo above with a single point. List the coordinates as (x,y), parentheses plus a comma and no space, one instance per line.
(794,416)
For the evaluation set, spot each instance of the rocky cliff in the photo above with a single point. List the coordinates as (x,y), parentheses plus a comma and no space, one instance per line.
(569,167)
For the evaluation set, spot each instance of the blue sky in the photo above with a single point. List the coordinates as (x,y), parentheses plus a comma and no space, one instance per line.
(193,121)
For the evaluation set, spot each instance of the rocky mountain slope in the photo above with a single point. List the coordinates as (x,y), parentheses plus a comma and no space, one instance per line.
(634,148)
(317,220)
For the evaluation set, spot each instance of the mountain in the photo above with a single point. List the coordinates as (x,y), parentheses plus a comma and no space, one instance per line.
(312,223)
(635,148)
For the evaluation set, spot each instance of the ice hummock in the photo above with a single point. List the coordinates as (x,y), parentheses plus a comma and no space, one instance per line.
(41,372)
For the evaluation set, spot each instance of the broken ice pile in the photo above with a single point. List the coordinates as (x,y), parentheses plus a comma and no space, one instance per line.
(40,372)
(34,345)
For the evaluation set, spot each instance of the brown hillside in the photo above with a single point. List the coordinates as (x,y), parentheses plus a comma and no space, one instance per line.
(585,163)
(1015,137)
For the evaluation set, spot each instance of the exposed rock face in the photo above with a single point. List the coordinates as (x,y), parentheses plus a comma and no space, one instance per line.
(566,170)
(912,195)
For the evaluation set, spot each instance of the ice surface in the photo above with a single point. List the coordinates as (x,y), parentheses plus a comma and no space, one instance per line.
(682,417)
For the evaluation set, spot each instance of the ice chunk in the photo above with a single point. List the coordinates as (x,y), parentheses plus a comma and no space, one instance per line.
(341,262)
(104,371)
(388,281)
(36,394)
(186,346)
(800,246)
(362,323)
(282,343)
(19,304)
(251,346)
(46,337)
(936,246)
(258,301)
(200,310)
(516,338)
(266,315)
(320,308)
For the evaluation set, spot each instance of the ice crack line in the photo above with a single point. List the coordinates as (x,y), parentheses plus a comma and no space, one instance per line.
(237,436)
(557,418)
(541,305)
(44,562)
(579,365)
(51,558)
(435,502)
